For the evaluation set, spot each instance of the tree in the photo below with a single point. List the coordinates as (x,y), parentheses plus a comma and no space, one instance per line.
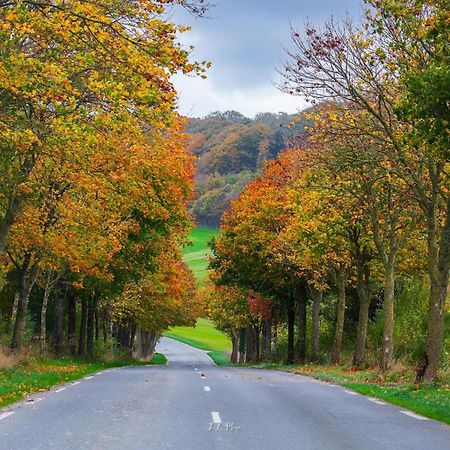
(352,68)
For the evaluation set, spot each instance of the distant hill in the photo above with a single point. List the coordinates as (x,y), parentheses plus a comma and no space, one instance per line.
(231,150)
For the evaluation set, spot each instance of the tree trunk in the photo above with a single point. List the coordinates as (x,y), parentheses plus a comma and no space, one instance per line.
(250,345)
(301,337)
(361,336)
(13,209)
(58,339)
(389,300)
(438,270)
(340,316)
(242,341)
(27,278)
(144,344)
(43,327)
(97,326)
(315,338)
(291,321)
(234,335)
(72,323)
(362,289)
(265,347)
(275,339)
(14,308)
(104,327)
(83,328)
(257,343)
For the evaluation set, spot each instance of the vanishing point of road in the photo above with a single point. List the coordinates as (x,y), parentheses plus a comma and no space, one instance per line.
(192,404)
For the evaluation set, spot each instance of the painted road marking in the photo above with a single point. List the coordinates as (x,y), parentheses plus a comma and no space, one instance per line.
(207,388)
(350,392)
(375,400)
(60,389)
(195,368)
(88,378)
(216,417)
(6,414)
(415,416)
(76,382)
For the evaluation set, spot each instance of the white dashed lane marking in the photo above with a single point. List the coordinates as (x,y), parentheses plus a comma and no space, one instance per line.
(60,389)
(76,382)
(216,417)
(206,388)
(6,414)
(88,378)
(415,416)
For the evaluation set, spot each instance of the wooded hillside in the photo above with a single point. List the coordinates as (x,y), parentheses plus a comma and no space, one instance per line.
(231,149)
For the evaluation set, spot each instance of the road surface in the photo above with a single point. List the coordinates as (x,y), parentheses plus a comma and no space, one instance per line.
(193,404)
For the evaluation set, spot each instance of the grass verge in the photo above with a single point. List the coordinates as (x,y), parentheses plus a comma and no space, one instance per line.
(40,374)
(396,387)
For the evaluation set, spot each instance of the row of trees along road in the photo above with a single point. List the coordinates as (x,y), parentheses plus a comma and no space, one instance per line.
(95,177)
(364,203)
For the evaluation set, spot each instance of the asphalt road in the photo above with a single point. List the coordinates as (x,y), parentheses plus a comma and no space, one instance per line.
(193,404)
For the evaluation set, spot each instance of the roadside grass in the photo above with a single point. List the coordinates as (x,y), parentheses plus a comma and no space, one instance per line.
(205,337)
(196,254)
(40,374)
(396,387)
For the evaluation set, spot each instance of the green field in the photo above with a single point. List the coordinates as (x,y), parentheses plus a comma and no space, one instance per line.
(205,337)
(196,254)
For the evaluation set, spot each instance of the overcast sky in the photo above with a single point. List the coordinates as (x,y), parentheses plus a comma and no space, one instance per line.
(244,40)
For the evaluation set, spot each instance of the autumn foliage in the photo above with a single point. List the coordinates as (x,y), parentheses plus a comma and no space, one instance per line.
(95,172)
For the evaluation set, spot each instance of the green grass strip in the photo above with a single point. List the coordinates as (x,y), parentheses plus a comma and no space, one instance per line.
(41,374)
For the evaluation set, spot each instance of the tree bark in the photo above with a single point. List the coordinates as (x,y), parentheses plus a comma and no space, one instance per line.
(242,341)
(275,339)
(438,270)
(315,338)
(257,343)
(234,335)
(364,297)
(265,347)
(14,308)
(340,317)
(301,337)
(291,321)
(389,300)
(250,345)
(43,324)
(83,328)
(97,326)
(144,344)
(13,209)
(27,278)
(104,327)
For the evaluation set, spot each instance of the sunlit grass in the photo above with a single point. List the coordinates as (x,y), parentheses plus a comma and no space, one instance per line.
(196,254)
